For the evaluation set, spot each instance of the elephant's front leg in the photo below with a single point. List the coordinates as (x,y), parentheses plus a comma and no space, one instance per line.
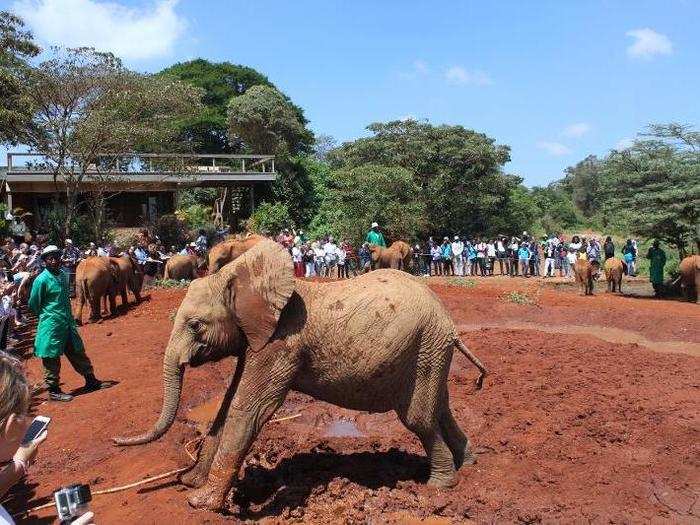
(197,475)
(264,384)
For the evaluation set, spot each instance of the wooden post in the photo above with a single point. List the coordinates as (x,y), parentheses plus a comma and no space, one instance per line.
(252,198)
(9,197)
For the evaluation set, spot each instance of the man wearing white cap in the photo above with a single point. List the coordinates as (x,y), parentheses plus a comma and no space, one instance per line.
(374,236)
(56,333)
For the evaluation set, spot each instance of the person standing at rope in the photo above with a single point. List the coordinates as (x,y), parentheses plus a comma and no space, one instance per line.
(56,333)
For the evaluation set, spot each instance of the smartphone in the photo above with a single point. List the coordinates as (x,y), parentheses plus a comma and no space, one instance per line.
(37,427)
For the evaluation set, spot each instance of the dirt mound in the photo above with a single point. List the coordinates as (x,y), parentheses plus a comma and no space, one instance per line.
(568,427)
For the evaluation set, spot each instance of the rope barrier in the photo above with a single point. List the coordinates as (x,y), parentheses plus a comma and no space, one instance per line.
(152,478)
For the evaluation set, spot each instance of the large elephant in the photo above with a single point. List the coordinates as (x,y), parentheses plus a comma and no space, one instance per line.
(228,250)
(614,270)
(585,273)
(405,251)
(181,267)
(391,350)
(385,257)
(130,278)
(95,278)
(690,277)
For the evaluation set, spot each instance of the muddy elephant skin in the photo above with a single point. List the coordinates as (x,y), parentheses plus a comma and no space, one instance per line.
(614,270)
(405,251)
(690,277)
(130,278)
(181,267)
(391,351)
(585,273)
(228,250)
(95,278)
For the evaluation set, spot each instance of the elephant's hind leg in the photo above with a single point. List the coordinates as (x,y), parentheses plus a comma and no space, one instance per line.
(456,440)
(421,415)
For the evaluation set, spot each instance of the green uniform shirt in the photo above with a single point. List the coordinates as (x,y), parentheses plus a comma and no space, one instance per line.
(49,300)
(657,260)
(376,238)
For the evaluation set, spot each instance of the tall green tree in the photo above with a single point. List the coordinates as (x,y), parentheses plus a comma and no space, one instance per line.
(582,182)
(356,197)
(267,122)
(207,132)
(653,188)
(16,48)
(86,104)
(459,172)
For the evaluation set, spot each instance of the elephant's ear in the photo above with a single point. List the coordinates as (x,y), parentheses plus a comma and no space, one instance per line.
(261,282)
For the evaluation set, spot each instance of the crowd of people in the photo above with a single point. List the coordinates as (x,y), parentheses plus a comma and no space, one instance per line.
(515,256)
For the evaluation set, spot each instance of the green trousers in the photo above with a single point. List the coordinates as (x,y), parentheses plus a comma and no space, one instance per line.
(52,366)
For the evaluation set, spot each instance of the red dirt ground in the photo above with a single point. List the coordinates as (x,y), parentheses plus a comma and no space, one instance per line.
(590,413)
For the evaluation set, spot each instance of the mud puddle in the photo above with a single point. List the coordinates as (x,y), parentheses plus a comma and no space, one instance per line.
(604,333)
(342,428)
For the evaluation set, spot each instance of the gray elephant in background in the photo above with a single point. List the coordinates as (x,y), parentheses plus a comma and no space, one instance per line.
(378,343)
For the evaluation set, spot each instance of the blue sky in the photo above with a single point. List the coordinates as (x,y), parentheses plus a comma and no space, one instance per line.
(555,80)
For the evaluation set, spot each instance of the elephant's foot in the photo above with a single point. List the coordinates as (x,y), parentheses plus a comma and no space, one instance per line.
(207,497)
(443,480)
(464,458)
(196,477)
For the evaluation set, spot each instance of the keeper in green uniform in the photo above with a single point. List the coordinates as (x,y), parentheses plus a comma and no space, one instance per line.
(374,236)
(56,333)
(657,261)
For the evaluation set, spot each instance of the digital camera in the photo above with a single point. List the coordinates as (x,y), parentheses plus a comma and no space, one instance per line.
(72,502)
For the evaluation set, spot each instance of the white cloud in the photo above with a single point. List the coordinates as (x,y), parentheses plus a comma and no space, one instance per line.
(555,149)
(130,33)
(579,129)
(624,144)
(421,67)
(460,76)
(648,43)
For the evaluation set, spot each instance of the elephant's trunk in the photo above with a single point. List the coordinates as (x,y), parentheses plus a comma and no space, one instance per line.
(172,386)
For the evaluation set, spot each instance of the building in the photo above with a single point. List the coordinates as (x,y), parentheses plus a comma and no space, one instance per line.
(138,187)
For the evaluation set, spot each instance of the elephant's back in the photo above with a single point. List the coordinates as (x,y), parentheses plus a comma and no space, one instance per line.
(689,266)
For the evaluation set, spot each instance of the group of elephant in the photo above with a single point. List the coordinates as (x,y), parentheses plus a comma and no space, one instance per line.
(99,279)
(380,342)
(585,273)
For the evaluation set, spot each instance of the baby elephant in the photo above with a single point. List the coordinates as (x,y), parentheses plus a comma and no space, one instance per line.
(381,342)
(585,273)
(614,270)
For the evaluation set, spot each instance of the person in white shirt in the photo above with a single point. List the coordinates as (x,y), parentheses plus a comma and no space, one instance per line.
(491,255)
(342,260)
(458,256)
(297,259)
(331,250)
(502,255)
(320,260)
(481,256)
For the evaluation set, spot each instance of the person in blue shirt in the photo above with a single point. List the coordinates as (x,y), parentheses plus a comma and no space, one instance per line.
(524,259)
(446,251)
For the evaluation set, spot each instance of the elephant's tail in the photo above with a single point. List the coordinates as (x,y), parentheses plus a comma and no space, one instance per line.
(475,361)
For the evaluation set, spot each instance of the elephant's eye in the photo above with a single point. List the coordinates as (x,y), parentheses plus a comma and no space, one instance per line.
(196,325)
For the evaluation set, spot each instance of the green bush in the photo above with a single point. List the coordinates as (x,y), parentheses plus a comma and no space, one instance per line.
(54,225)
(195,215)
(270,218)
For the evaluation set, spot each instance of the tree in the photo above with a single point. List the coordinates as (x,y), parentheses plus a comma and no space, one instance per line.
(358,196)
(653,188)
(16,47)
(86,105)
(267,123)
(270,218)
(582,183)
(555,208)
(459,171)
(207,132)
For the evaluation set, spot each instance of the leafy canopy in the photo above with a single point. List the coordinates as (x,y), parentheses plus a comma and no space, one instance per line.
(653,188)
(16,47)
